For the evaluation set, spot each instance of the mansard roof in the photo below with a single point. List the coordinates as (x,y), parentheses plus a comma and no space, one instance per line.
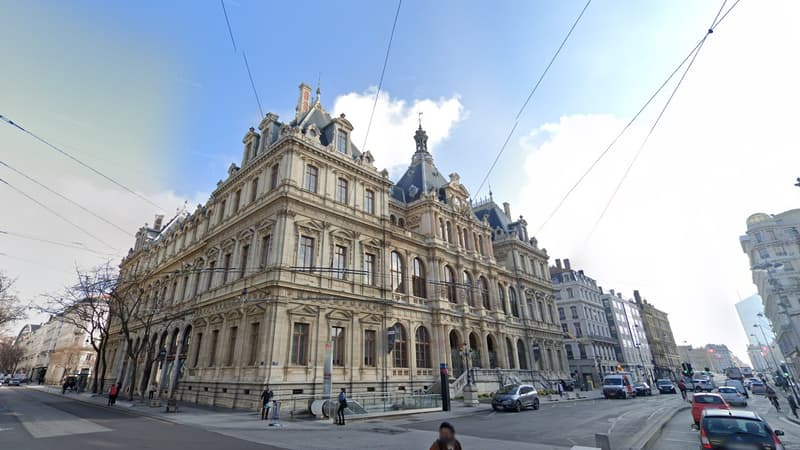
(422,176)
(494,214)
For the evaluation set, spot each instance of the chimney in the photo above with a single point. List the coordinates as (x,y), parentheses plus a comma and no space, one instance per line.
(611,291)
(566,264)
(304,100)
(507,209)
(601,289)
(637,297)
(558,264)
(158,222)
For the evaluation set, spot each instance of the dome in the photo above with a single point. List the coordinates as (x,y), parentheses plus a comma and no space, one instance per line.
(758,218)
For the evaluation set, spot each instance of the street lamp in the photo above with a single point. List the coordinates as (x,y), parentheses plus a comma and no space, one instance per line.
(762,346)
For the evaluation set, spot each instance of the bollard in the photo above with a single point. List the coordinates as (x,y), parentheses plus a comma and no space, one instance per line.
(602,441)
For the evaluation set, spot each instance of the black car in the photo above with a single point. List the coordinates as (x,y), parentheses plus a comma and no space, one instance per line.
(737,428)
(665,387)
(642,389)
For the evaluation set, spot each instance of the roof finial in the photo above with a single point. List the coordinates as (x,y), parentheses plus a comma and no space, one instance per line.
(419,118)
(490,191)
(319,90)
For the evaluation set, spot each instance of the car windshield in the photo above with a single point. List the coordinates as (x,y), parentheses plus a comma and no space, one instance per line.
(727,390)
(708,399)
(512,389)
(735,425)
(613,381)
(663,382)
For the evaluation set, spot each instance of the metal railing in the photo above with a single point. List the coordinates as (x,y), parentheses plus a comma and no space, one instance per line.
(365,403)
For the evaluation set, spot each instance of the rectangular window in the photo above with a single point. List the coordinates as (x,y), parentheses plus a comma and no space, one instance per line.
(212,357)
(232,346)
(561,313)
(569,351)
(222,207)
(237,197)
(300,344)
(369,201)
(578,331)
(198,346)
(340,262)
(253,347)
(341,190)
(312,173)
(273,177)
(264,251)
(564,328)
(370,338)
(574,311)
(243,265)
(226,267)
(253,189)
(569,293)
(337,337)
(305,257)
(369,269)
(342,142)
(212,267)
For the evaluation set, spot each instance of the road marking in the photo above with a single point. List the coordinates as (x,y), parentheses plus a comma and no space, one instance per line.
(6,429)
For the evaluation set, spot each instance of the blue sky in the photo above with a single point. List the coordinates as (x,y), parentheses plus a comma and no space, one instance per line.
(153,94)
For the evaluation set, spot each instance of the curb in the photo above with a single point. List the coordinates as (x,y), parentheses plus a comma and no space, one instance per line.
(646,442)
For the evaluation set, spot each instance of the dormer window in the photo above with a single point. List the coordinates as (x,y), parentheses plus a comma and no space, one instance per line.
(341,143)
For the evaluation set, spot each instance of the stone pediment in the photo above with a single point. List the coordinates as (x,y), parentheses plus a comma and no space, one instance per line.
(343,234)
(233,315)
(254,310)
(215,319)
(304,310)
(310,225)
(371,318)
(199,322)
(338,314)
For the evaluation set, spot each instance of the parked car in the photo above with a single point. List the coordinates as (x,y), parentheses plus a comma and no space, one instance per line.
(15,382)
(618,385)
(738,385)
(732,396)
(642,389)
(516,397)
(758,387)
(703,401)
(701,385)
(720,429)
(665,386)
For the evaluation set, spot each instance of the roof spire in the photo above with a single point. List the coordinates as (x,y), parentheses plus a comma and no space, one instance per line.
(319,90)
(421,138)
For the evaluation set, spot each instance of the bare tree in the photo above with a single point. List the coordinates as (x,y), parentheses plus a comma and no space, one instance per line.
(85,305)
(10,308)
(10,355)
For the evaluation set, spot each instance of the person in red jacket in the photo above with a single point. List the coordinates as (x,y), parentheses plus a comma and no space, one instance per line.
(112,394)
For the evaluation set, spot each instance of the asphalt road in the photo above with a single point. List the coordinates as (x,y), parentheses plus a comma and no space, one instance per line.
(566,424)
(678,433)
(33,420)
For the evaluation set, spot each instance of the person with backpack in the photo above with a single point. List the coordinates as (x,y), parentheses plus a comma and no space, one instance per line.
(341,408)
(112,394)
(266,399)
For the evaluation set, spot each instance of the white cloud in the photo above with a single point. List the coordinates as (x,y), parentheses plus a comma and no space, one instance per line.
(391,134)
(46,268)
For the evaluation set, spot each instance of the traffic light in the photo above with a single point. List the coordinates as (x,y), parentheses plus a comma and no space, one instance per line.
(784,371)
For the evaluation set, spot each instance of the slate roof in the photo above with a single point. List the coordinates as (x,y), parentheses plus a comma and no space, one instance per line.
(495,215)
(421,176)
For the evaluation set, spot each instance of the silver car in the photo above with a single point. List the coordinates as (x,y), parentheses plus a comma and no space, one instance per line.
(732,396)
(516,397)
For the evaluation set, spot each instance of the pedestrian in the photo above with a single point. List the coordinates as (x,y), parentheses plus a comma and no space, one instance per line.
(64,387)
(792,405)
(447,438)
(266,398)
(152,390)
(112,394)
(342,406)
(560,388)
(682,388)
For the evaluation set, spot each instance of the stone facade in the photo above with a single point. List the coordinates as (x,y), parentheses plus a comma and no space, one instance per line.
(54,350)
(307,253)
(666,362)
(631,346)
(588,341)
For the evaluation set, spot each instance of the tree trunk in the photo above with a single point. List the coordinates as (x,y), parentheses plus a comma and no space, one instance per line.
(96,371)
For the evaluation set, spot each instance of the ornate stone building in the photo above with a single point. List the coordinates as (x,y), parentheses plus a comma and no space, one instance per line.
(308,253)
(666,361)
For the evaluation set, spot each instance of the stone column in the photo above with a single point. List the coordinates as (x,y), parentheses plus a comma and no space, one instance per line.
(176,363)
(484,350)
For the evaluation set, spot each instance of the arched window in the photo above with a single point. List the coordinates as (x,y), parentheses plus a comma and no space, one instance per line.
(483,288)
(393,219)
(397,273)
(512,299)
(449,232)
(466,239)
(450,284)
(423,347)
(510,354)
(418,278)
(523,360)
(442,232)
(501,297)
(467,280)
(400,347)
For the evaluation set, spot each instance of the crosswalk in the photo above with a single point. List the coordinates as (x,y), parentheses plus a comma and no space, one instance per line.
(41,420)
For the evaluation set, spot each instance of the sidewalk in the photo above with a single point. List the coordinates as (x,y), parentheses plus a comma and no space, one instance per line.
(387,433)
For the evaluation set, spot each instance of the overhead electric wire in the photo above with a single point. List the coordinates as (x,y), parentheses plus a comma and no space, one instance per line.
(56,213)
(68,155)
(74,245)
(64,197)
(530,95)
(660,114)
(244,57)
(383,72)
(630,122)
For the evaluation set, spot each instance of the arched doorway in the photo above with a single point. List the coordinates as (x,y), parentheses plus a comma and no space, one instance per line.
(475,347)
(510,354)
(491,347)
(523,359)
(456,358)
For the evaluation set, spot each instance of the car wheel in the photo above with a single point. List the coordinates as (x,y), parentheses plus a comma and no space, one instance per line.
(536,403)
(518,406)
(494,408)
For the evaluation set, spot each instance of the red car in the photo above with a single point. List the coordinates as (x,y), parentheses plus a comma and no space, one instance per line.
(704,400)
